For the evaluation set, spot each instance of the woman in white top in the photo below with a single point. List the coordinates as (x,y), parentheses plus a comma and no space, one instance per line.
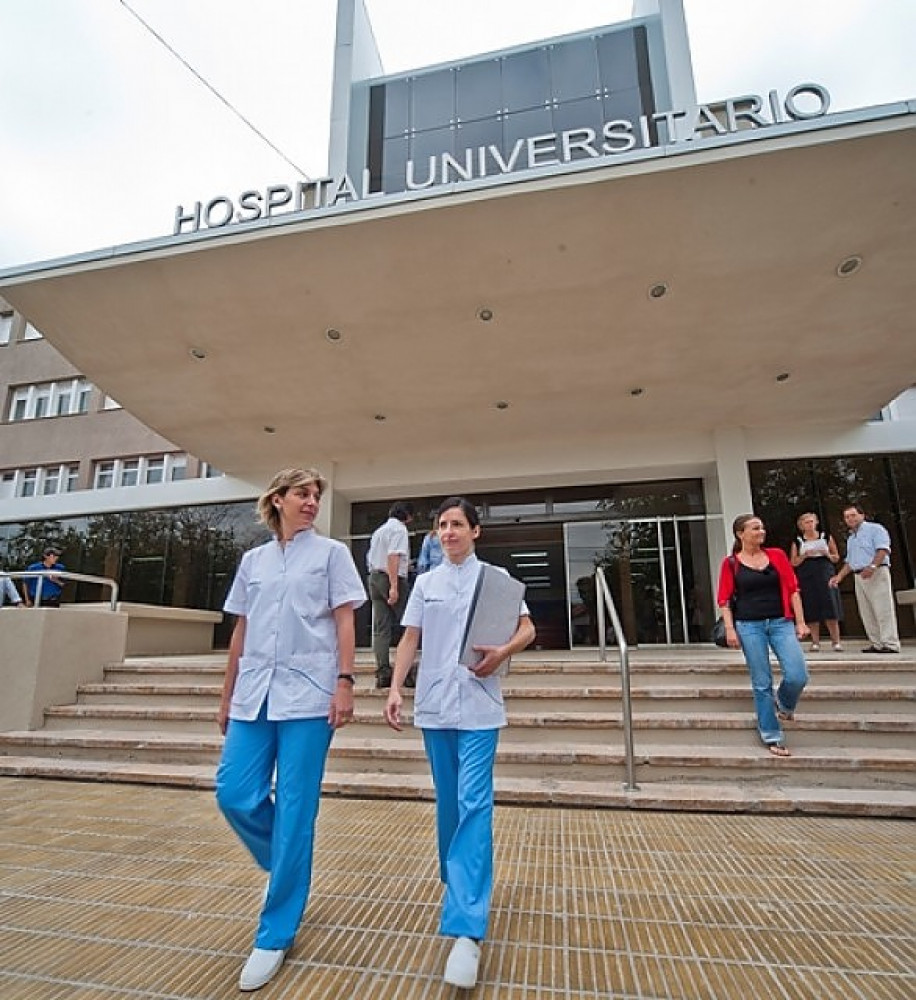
(460,711)
(289,685)
(814,557)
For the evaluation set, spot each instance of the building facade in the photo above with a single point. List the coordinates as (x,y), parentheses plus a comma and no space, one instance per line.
(546,278)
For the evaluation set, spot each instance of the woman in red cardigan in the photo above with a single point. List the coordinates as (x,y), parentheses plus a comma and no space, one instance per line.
(761,606)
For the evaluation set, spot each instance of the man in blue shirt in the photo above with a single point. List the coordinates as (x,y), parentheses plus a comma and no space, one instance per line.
(51,586)
(868,556)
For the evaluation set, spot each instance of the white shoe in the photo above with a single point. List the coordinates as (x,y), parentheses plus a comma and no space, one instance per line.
(461,967)
(262,965)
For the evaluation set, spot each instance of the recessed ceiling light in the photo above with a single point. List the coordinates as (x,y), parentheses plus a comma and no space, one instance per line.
(268,429)
(484,314)
(501,404)
(658,290)
(198,353)
(782,377)
(849,266)
(332,334)
(637,390)
(380,417)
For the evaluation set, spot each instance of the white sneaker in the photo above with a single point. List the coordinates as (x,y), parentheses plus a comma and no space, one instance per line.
(461,967)
(262,965)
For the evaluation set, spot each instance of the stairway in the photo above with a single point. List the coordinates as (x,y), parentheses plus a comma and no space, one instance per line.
(853,747)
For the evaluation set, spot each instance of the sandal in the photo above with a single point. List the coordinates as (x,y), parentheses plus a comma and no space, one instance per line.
(778,749)
(782,713)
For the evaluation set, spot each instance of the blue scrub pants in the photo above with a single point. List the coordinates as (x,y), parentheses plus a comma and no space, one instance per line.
(462,766)
(279,831)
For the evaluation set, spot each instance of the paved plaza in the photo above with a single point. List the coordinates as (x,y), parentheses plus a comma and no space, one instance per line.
(122,891)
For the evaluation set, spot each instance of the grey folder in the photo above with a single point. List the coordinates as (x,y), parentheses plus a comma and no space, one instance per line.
(493,615)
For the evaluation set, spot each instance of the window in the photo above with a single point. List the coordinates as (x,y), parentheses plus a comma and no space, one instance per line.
(51,482)
(130,472)
(155,469)
(110,404)
(6,328)
(30,333)
(28,483)
(104,475)
(179,468)
(208,471)
(7,484)
(71,478)
(50,399)
(144,470)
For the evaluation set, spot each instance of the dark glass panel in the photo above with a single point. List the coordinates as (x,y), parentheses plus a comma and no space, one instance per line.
(432,100)
(617,62)
(574,69)
(397,107)
(471,135)
(525,125)
(526,80)
(587,113)
(394,164)
(478,90)
(623,104)
(435,142)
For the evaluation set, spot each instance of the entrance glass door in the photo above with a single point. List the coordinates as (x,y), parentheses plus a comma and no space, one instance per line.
(661,590)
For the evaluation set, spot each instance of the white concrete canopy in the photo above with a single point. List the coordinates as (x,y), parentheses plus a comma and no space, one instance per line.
(747,236)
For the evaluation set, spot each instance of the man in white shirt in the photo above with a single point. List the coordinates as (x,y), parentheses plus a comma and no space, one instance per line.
(388,561)
(868,556)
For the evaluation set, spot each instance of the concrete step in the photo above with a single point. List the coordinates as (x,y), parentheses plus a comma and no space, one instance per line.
(819,764)
(780,796)
(682,695)
(551,727)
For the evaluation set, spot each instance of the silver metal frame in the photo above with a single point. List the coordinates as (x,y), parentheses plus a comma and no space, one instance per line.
(43,574)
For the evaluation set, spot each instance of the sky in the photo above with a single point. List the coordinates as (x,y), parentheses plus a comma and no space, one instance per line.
(104,130)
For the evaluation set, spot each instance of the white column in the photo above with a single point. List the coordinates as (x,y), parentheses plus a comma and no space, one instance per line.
(733,479)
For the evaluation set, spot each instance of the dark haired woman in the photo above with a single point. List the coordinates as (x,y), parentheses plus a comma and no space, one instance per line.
(460,712)
(759,600)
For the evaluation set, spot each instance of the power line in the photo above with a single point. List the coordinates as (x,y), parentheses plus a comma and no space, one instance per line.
(212,89)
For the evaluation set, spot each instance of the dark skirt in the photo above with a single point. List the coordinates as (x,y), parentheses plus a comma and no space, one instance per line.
(820,602)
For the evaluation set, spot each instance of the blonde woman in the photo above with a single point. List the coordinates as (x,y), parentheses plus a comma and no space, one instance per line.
(288,686)
(814,556)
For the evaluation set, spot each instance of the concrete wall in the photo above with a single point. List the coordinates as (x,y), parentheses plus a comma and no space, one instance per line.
(46,653)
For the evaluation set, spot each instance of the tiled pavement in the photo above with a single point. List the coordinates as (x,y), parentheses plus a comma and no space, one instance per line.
(111,892)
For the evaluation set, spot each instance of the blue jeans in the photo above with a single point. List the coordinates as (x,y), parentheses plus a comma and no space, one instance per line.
(757,639)
(462,764)
(278,830)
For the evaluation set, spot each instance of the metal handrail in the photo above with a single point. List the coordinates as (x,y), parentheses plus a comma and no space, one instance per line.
(42,574)
(606,604)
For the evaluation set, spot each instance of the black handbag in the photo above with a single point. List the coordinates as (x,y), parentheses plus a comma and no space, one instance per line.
(718,633)
(718,630)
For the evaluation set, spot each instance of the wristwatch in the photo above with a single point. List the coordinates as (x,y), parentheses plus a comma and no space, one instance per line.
(347,677)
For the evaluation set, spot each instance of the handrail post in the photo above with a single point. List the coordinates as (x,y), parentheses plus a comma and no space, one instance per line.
(605,603)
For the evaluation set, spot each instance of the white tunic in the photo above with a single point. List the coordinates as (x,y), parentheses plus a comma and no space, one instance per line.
(287,596)
(448,694)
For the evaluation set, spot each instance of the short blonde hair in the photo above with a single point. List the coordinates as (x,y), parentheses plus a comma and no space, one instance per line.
(282,482)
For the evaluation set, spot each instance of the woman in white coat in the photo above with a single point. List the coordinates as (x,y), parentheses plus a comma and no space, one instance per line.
(288,686)
(460,712)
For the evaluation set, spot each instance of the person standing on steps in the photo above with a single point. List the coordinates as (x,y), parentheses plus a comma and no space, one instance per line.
(814,555)
(868,556)
(760,604)
(388,563)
